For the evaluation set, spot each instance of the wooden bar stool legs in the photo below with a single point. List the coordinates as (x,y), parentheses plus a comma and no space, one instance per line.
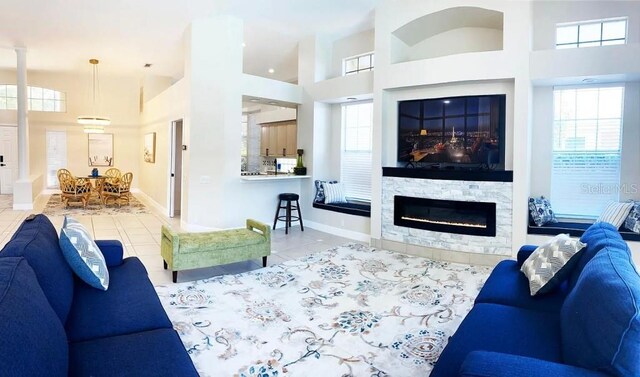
(288,207)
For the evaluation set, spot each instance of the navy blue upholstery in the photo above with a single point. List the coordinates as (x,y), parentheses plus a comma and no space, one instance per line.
(121,356)
(589,326)
(123,331)
(601,316)
(508,286)
(112,251)
(129,305)
(37,241)
(501,328)
(597,237)
(575,230)
(483,364)
(33,342)
(356,209)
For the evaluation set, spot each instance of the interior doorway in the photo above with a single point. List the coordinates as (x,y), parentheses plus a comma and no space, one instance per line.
(8,158)
(175,184)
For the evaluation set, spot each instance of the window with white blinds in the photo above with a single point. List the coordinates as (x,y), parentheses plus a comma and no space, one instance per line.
(587,133)
(56,156)
(355,164)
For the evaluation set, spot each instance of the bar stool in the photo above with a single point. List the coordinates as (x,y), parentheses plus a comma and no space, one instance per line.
(287,218)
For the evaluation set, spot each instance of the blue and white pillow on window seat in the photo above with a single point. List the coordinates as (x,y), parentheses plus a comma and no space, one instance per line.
(632,221)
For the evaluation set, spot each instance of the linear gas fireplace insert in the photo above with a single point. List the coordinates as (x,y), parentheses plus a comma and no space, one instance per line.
(449,216)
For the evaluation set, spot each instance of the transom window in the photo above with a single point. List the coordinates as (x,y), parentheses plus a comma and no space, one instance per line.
(38,99)
(358,64)
(592,33)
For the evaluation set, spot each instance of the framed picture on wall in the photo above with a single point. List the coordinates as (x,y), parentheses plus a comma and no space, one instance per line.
(100,149)
(150,147)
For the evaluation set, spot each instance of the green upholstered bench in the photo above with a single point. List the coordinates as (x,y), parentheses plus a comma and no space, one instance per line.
(184,251)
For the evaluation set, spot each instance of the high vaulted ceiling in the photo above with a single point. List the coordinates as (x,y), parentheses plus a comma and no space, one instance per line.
(62,35)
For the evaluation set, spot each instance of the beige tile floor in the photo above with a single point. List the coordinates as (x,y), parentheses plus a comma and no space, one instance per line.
(140,235)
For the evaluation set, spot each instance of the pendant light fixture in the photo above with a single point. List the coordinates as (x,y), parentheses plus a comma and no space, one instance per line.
(94,124)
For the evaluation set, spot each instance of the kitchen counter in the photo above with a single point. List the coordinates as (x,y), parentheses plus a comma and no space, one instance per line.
(272,177)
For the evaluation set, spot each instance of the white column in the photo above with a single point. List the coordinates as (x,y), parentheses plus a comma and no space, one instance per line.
(23,187)
(23,123)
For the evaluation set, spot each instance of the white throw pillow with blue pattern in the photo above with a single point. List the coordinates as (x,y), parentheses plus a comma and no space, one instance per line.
(633,220)
(84,256)
(334,193)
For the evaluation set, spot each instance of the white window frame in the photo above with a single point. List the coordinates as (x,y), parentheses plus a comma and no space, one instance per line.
(56,158)
(345,61)
(356,164)
(600,41)
(56,101)
(601,182)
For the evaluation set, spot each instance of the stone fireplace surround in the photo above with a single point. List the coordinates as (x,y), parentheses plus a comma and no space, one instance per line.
(474,186)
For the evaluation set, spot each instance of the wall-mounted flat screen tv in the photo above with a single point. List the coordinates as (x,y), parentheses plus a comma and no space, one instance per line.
(453,131)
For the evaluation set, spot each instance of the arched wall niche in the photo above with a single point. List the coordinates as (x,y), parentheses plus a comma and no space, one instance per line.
(450,31)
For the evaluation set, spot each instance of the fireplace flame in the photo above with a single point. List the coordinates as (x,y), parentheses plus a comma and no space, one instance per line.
(444,222)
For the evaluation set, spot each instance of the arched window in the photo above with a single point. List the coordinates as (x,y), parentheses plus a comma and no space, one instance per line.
(38,99)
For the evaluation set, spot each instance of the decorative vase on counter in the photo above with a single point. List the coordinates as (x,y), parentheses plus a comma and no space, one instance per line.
(300,169)
(94,172)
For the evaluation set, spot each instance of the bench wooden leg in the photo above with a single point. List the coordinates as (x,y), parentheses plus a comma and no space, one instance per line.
(165,264)
(264,261)
(175,276)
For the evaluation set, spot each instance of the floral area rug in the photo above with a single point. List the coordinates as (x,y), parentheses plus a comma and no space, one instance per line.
(347,311)
(55,207)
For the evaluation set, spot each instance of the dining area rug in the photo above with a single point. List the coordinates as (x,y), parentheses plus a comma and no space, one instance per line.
(347,311)
(55,207)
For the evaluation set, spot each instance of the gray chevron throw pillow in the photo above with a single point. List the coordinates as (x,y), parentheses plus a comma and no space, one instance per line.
(550,264)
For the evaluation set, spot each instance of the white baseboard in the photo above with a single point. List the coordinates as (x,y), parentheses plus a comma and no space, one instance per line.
(362,237)
(149,201)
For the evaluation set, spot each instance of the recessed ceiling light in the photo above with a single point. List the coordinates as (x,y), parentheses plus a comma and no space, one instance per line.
(351,98)
(148,65)
(271,70)
(588,80)
(446,101)
(254,100)
(244,44)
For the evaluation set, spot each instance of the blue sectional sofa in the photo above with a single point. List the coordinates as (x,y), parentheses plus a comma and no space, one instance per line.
(52,323)
(590,326)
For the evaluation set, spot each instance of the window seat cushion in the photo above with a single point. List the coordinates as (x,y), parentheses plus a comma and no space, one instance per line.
(349,208)
(575,230)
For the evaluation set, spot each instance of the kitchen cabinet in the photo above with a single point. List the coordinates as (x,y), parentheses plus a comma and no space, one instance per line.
(264,141)
(279,139)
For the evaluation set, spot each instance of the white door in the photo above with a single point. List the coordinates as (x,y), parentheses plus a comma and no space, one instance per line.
(9,157)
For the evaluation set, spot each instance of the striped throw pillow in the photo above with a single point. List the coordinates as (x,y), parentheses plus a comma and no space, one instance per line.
(550,264)
(615,213)
(334,193)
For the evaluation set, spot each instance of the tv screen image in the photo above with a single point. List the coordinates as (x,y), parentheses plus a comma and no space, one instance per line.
(452,131)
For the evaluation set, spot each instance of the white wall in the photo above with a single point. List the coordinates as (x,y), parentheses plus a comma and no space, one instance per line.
(157,117)
(352,45)
(450,42)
